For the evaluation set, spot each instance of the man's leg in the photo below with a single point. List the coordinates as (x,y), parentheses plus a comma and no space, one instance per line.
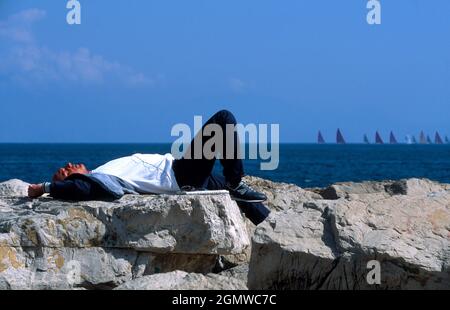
(193,171)
(256,212)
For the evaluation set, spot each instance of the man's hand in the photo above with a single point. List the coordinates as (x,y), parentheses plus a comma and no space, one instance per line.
(35,190)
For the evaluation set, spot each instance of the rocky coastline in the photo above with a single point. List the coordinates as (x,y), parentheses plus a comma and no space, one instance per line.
(313,239)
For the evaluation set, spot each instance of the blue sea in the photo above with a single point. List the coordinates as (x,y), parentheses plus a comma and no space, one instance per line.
(307,165)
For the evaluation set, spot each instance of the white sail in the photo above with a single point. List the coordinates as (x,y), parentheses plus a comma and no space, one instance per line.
(409,139)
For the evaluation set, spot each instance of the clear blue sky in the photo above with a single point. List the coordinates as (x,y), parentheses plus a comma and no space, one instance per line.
(134,68)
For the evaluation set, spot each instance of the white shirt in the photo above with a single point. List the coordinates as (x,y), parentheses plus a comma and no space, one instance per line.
(148,173)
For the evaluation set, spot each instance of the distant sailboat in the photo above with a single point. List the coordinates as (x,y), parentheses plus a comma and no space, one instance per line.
(422,139)
(392,139)
(378,139)
(366,139)
(414,140)
(446,140)
(438,139)
(339,137)
(410,139)
(429,140)
(320,138)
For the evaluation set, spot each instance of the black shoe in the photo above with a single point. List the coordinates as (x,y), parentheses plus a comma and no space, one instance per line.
(243,192)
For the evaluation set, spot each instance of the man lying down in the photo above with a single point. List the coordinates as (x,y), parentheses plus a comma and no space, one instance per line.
(158,174)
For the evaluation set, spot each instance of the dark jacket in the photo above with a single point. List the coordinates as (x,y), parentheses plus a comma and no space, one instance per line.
(93,186)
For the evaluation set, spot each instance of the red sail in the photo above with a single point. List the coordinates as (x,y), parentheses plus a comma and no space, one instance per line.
(422,139)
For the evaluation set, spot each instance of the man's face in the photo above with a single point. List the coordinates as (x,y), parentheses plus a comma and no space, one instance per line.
(69,169)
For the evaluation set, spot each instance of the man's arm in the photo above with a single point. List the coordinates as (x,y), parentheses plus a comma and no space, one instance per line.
(72,190)
(66,190)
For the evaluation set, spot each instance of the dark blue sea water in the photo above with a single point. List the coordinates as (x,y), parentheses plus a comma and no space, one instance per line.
(306,165)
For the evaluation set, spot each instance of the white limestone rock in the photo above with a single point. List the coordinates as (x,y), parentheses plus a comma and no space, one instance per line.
(42,240)
(14,187)
(327,244)
(179,280)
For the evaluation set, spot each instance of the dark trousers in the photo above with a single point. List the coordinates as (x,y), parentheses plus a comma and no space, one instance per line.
(197,173)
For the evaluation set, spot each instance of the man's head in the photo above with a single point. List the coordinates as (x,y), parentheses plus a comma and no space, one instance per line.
(69,169)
